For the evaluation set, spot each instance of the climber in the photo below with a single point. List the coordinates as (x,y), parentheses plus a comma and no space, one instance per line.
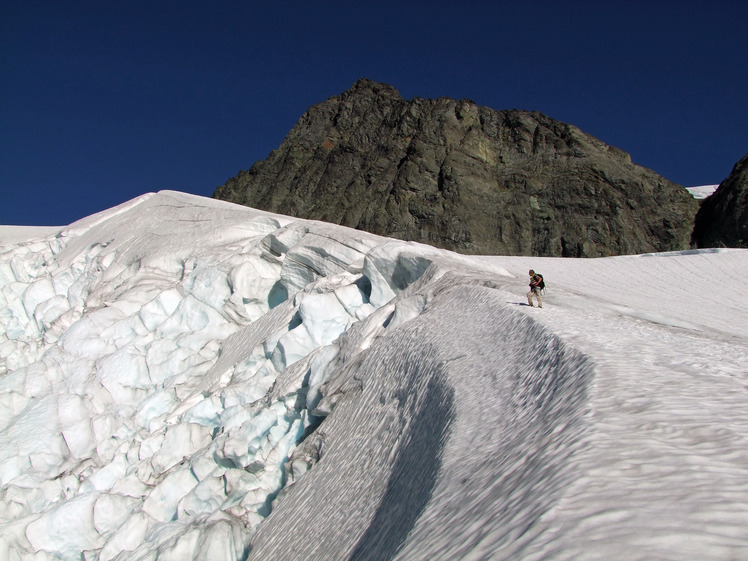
(536,285)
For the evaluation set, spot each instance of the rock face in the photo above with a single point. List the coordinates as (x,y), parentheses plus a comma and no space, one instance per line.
(467,178)
(722,220)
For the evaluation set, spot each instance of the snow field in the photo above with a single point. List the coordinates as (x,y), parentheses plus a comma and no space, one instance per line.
(664,473)
(182,378)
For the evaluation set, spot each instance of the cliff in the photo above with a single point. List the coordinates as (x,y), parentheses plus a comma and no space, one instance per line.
(722,220)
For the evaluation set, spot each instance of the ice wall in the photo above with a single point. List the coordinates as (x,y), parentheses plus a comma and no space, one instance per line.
(170,365)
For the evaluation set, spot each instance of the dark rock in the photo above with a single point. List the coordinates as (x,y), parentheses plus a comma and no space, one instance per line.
(722,220)
(467,178)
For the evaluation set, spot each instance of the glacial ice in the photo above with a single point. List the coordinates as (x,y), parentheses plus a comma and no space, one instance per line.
(182,378)
(110,333)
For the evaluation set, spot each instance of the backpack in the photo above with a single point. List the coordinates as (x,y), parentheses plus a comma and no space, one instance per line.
(541,285)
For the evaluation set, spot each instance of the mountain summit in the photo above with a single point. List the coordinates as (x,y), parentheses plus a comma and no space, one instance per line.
(459,176)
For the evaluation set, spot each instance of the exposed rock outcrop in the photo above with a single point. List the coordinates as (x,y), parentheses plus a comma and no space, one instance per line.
(467,178)
(722,220)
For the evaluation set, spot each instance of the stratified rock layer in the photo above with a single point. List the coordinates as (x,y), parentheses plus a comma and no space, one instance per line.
(467,178)
(722,220)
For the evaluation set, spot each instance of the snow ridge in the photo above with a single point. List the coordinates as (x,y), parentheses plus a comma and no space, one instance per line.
(428,427)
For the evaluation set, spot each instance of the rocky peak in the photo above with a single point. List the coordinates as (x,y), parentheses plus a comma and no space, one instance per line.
(464,177)
(722,220)
(363,87)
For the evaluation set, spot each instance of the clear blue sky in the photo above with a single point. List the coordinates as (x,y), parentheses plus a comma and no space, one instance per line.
(103,101)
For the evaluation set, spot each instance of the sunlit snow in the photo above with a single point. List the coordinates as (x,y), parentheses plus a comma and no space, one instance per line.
(702,191)
(182,378)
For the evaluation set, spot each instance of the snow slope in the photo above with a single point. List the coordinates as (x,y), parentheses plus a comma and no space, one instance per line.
(702,191)
(182,378)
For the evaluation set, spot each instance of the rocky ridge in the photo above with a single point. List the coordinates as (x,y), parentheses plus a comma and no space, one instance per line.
(467,178)
(722,220)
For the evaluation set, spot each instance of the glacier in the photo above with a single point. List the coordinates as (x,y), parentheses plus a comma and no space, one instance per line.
(184,378)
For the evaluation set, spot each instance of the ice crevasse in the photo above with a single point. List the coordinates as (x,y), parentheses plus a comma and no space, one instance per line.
(176,369)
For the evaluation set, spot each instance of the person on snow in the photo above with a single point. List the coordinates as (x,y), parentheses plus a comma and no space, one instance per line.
(536,285)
